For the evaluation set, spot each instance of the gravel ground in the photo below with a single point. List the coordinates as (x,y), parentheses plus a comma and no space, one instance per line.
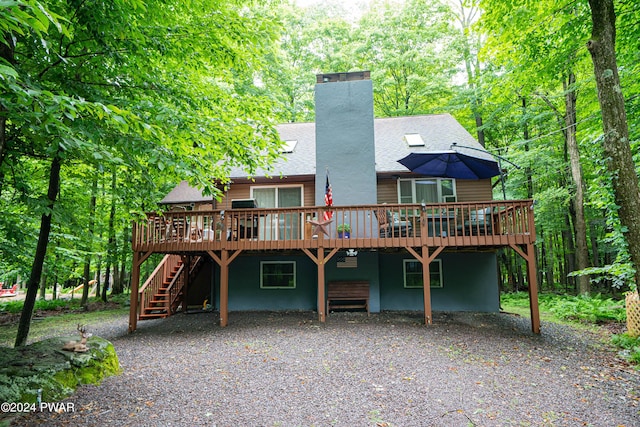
(287,369)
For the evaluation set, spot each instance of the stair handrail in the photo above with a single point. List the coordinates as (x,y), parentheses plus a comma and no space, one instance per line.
(174,290)
(155,280)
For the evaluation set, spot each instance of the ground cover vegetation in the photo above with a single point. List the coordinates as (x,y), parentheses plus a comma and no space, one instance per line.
(105,106)
(606,313)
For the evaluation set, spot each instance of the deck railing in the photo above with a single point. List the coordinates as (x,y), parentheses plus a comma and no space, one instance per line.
(494,223)
(156,281)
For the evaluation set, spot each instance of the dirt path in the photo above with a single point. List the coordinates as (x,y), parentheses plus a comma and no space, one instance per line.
(286,369)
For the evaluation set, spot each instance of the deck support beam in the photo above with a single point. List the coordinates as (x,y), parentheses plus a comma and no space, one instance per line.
(320,259)
(223,261)
(187,281)
(426,259)
(138,259)
(528,254)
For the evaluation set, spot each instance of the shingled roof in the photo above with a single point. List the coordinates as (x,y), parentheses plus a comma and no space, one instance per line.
(184,193)
(439,132)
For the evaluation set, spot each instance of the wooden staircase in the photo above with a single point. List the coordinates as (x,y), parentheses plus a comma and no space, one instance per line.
(163,292)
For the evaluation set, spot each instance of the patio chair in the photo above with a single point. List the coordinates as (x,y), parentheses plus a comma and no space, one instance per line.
(480,222)
(390,224)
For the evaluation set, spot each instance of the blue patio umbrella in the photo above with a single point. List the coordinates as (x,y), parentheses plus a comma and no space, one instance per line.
(450,164)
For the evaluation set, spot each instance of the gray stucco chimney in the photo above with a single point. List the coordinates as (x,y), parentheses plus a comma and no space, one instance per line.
(345,138)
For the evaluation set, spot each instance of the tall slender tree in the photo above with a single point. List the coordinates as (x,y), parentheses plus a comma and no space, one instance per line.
(602,47)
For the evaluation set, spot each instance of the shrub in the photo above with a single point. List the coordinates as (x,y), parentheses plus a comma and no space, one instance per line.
(587,308)
(55,305)
(630,344)
(583,308)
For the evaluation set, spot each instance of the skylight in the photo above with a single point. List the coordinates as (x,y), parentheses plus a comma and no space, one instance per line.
(289,146)
(414,140)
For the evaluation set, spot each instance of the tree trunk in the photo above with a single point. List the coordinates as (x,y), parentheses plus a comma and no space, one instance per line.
(107,280)
(98,273)
(111,245)
(7,52)
(614,122)
(41,252)
(579,223)
(595,257)
(569,254)
(542,267)
(525,135)
(90,227)
(43,286)
(122,276)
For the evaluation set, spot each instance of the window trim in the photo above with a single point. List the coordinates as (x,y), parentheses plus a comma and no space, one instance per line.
(262,277)
(276,187)
(441,198)
(439,272)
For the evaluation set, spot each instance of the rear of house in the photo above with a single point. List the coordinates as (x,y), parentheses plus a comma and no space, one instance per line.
(271,243)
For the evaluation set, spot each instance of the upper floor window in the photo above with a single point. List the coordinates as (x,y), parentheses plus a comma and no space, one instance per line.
(427,190)
(282,196)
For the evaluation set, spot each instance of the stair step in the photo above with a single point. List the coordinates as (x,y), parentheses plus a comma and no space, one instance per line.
(153,316)
(154,310)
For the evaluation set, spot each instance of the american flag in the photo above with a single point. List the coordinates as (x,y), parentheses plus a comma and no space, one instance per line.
(328,199)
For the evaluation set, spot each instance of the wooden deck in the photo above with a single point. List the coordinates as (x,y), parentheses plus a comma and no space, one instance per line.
(499,223)
(423,230)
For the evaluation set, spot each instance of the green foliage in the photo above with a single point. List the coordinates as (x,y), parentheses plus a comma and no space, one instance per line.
(517,299)
(586,308)
(619,274)
(53,305)
(631,346)
(583,308)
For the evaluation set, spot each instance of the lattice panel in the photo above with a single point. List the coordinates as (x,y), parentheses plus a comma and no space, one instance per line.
(633,314)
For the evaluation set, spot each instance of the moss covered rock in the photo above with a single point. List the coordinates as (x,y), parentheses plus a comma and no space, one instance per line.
(44,368)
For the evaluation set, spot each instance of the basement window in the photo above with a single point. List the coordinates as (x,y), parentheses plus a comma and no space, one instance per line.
(277,274)
(289,146)
(414,140)
(412,271)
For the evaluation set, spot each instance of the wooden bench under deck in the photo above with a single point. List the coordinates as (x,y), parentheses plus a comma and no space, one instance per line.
(348,294)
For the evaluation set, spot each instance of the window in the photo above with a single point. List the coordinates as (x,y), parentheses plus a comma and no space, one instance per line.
(412,270)
(277,274)
(283,196)
(427,190)
(279,226)
(414,140)
(289,146)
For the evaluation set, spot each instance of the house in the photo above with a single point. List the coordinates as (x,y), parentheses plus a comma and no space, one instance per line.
(416,242)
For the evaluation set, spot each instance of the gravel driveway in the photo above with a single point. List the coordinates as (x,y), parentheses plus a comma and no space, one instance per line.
(287,369)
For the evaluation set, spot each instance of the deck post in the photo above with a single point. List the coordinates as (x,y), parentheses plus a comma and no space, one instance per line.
(138,259)
(426,259)
(529,255)
(426,285)
(224,288)
(322,316)
(533,289)
(185,289)
(135,284)
(223,261)
(320,261)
